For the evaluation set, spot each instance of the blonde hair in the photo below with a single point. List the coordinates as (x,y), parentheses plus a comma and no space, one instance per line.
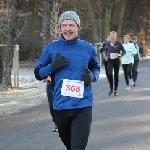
(127,36)
(113,32)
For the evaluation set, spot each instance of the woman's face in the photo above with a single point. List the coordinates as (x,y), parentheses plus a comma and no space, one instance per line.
(126,40)
(112,37)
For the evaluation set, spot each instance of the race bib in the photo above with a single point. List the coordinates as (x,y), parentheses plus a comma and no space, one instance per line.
(113,55)
(72,88)
(128,57)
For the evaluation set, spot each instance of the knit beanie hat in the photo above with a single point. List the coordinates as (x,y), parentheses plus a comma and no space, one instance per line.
(70,15)
(134,37)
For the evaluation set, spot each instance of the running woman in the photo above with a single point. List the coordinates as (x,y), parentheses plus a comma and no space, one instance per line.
(113,49)
(128,60)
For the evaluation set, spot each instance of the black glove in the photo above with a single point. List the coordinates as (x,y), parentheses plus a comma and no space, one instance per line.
(88,78)
(59,62)
(102,49)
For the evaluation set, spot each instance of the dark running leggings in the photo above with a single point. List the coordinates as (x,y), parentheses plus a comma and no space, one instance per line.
(113,64)
(74,127)
(50,101)
(127,68)
(135,71)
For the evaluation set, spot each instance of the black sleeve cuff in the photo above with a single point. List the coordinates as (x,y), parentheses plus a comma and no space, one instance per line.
(37,76)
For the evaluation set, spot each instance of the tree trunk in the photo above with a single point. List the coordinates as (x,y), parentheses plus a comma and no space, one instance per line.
(121,18)
(1,69)
(46,22)
(33,7)
(76,8)
(8,56)
(108,13)
(93,20)
(2,49)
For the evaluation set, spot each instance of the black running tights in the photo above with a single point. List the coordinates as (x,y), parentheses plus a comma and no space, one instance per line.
(74,127)
(127,68)
(113,64)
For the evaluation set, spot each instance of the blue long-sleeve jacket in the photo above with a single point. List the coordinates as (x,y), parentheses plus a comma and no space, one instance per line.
(81,55)
(139,52)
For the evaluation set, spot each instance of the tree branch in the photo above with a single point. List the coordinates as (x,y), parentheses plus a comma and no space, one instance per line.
(25,14)
(21,30)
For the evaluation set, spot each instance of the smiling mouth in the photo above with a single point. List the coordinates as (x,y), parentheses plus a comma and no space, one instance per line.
(68,34)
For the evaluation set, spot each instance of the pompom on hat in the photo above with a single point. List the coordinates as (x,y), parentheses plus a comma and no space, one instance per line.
(70,15)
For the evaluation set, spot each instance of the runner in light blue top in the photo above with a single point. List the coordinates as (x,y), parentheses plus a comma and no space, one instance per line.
(128,60)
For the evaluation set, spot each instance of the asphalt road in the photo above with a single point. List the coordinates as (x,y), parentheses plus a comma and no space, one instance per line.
(119,123)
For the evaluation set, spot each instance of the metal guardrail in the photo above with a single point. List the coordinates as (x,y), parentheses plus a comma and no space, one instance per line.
(2,45)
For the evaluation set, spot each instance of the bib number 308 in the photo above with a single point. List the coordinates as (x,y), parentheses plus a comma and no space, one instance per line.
(72,88)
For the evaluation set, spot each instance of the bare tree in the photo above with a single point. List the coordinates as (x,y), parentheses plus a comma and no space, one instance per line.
(5,16)
(3,36)
(50,20)
(54,28)
(8,55)
(46,22)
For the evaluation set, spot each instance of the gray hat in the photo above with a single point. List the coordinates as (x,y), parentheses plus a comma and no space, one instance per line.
(70,15)
(134,37)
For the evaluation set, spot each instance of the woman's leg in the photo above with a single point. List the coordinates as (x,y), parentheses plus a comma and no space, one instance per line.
(110,75)
(124,66)
(116,73)
(129,70)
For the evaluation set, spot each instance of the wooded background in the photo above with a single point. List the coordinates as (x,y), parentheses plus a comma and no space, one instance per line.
(33,23)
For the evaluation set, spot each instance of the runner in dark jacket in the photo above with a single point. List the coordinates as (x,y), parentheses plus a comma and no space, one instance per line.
(114,50)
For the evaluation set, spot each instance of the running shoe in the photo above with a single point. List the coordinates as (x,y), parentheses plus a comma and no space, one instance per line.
(133,83)
(111,91)
(127,88)
(115,93)
(55,129)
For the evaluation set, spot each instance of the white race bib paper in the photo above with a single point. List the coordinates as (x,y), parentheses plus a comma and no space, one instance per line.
(72,88)
(113,55)
(128,57)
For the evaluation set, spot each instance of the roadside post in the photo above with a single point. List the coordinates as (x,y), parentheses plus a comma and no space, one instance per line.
(16,66)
